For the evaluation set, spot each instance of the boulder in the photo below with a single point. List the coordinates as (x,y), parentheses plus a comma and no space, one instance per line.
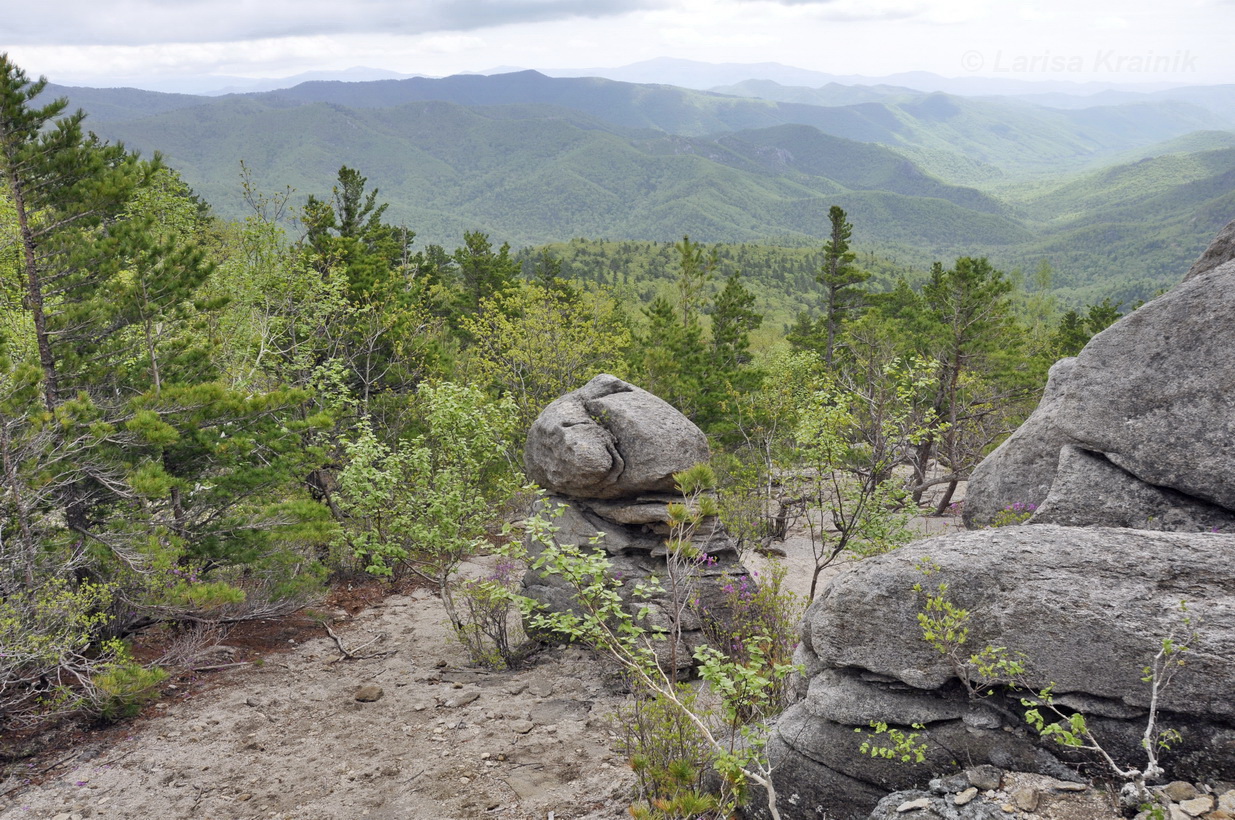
(1151,401)
(1155,392)
(1086,608)
(610,439)
(1021,469)
(1091,491)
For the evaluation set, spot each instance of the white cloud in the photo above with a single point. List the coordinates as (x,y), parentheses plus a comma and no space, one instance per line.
(143,22)
(73,41)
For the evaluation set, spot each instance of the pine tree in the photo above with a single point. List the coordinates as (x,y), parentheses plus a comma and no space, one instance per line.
(672,359)
(145,460)
(374,330)
(970,304)
(481,271)
(840,278)
(733,319)
(68,192)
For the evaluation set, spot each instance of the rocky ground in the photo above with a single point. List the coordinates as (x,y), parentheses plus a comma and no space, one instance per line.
(404,730)
(290,728)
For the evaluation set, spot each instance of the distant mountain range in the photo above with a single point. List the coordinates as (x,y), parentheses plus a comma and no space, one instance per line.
(1118,197)
(664,71)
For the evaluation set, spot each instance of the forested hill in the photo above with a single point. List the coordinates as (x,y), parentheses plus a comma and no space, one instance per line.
(1006,132)
(531,174)
(531,159)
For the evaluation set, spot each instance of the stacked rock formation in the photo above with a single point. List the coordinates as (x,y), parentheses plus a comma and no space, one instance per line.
(1086,607)
(1131,461)
(607,452)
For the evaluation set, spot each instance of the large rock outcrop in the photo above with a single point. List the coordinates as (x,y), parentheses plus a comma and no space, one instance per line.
(607,453)
(1132,447)
(1153,395)
(1087,608)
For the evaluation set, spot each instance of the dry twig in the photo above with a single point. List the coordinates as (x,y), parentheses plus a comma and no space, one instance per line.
(353,654)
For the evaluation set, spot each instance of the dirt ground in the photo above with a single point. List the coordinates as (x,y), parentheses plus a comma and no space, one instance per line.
(282,734)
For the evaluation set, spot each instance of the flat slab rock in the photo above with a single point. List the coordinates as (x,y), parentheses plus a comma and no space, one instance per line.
(1038,589)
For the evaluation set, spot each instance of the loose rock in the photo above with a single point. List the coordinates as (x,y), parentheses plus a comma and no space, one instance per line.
(1197,805)
(369,693)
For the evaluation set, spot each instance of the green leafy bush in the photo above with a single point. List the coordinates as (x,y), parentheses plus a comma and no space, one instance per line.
(426,504)
(668,754)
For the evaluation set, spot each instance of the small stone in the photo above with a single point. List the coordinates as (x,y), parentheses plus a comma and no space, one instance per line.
(1180,790)
(1061,786)
(465,780)
(1219,814)
(914,805)
(984,778)
(369,693)
(1198,805)
(62,816)
(949,785)
(493,805)
(1025,799)
(245,797)
(1226,801)
(485,756)
(521,727)
(1008,808)
(962,798)
(463,700)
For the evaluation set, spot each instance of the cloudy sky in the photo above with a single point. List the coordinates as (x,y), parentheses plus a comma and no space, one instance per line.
(151,42)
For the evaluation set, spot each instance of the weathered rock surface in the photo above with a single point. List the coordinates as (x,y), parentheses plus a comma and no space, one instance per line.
(1023,467)
(1152,395)
(1091,491)
(1087,607)
(610,439)
(608,452)
(1155,392)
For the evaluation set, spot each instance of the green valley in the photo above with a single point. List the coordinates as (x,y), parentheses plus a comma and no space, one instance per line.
(1114,197)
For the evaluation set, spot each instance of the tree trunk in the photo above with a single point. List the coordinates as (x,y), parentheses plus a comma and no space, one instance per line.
(34,295)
